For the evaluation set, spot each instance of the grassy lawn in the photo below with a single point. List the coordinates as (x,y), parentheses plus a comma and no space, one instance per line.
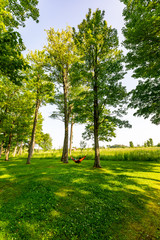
(52,200)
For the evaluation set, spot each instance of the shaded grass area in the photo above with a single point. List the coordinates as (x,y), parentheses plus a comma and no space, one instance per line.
(52,200)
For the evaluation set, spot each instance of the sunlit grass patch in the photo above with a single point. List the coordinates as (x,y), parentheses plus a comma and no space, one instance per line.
(5,176)
(63,192)
(79,180)
(84,192)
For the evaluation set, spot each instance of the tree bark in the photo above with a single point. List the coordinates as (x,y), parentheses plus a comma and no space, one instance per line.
(8,147)
(62,158)
(31,145)
(15,150)
(20,148)
(96,120)
(96,125)
(71,135)
(1,148)
(65,146)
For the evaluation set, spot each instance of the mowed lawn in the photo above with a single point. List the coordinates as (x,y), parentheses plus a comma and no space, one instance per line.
(52,200)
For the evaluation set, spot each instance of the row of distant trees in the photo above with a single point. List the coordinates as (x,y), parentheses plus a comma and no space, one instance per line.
(148,143)
(80,71)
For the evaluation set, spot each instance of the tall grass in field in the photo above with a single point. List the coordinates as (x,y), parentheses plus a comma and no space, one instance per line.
(132,154)
(123,154)
(117,154)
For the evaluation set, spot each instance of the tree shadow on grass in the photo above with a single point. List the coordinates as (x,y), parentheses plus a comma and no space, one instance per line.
(52,200)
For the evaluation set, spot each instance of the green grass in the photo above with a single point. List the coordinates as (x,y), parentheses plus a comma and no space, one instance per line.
(124,154)
(52,200)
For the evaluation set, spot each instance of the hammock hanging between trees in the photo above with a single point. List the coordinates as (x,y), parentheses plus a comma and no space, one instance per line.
(78,160)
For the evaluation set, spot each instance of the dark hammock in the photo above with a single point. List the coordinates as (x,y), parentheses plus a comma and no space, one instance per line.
(78,160)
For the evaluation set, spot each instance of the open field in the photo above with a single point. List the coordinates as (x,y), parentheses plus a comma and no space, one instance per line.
(112,154)
(52,200)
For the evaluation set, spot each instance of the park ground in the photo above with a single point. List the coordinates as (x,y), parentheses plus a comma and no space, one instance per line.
(52,200)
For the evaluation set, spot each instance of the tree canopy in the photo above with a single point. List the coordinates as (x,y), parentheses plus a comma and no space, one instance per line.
(142,37)
(12,15)
(145,99)
(142,40)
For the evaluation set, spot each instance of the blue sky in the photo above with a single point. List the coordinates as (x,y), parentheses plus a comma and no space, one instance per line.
(59,14)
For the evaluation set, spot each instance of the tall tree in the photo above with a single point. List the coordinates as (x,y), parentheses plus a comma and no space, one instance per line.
(41,86)
(61,56)
(101,71)
(142,41)
(151,142)
(131,144)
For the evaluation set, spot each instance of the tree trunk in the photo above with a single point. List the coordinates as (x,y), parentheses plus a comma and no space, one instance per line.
(1,148)
(65,146)
(15,150)
(20,149)
(71,135)
(96,142)
(31,145)
(96,120)
(8,147)
(62,158)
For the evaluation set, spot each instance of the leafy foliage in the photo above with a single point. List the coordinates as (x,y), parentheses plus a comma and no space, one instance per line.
(100,71)
(16,105)
(142,40)
(142,37)
(145,99)
(39,81)
(60,51)
(46,142)
(149,143)
(12,61)
(131,144)
(12,15)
